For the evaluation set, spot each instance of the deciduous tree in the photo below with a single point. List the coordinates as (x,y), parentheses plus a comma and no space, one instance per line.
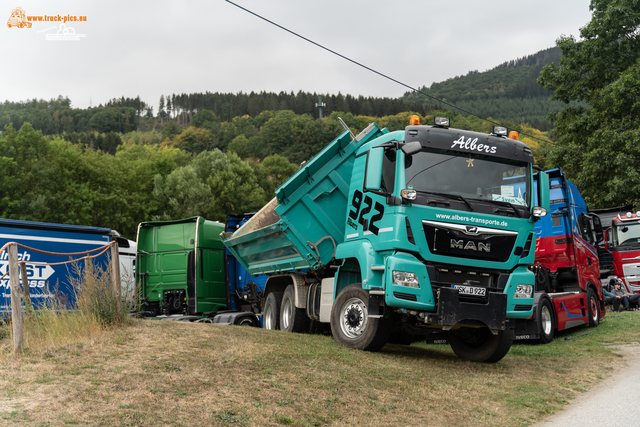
(599,139)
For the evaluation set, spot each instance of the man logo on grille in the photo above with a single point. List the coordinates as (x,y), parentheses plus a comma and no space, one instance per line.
(470,246)
(471,229)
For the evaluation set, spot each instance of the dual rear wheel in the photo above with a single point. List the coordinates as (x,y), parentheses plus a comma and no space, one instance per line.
(280,312)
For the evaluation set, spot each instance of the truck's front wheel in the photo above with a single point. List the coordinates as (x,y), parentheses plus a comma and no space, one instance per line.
(546,325)
(271,311)
(480,345)
(351,325)
(594,308)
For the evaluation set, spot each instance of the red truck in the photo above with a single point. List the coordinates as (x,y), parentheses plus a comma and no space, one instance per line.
(568,289)
(620,250)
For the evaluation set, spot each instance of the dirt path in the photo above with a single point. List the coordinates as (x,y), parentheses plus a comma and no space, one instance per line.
(612,402)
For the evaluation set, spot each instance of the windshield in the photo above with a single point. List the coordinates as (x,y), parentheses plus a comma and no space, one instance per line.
(475,178)
(626,235)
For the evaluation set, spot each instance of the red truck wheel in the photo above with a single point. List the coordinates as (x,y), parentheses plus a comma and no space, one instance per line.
(351,325)
(594,308)
(546,324)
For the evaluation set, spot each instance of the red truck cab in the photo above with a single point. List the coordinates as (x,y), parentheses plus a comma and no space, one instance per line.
(620,251)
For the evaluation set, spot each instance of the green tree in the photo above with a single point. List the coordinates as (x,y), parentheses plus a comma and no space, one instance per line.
(213,185)
(273,172)
(171,129)
(193,140)
(599,140)
(239,146)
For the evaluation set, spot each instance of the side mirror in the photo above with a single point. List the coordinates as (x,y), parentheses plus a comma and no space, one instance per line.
(373,175)
(597,228)
(607,243)
(411,148)
(544,203)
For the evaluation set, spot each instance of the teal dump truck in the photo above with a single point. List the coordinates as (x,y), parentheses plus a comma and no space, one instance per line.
(393,235)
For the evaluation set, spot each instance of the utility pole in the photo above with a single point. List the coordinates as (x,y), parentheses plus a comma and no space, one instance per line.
(320,104)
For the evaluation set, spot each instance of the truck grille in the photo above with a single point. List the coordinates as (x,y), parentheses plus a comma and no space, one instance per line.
(463,241)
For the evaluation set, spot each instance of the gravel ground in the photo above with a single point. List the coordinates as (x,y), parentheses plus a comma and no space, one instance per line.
(612,403)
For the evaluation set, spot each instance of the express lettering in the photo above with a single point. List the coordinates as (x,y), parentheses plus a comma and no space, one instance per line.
(472,144)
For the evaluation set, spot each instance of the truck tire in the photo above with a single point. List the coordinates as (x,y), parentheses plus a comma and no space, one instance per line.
(247,321)
(545,320)
(271,311)
(480,345)
(594,308)
(292,319)
(352,327)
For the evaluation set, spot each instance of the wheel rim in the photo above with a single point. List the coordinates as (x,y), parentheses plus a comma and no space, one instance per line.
(545,320)
(286,313)
(594,308)
(268,317)
(354,318)
(246,322)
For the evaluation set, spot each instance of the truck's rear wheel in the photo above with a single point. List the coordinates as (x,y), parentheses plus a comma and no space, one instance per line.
(351,325)
(546,325)
(292,319)
(480,345)
(271,311)
(594,308)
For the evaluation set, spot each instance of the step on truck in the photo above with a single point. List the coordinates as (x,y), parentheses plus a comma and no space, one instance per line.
(185,273)
(620,250)
(567,268)
(392,235)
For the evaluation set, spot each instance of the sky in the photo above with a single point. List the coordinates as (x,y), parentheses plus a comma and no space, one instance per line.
(146,49)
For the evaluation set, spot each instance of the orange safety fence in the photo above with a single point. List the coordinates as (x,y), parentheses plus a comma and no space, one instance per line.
(103,249)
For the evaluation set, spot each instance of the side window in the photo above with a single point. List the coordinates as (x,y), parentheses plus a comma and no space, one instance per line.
(585,228)
(389,171)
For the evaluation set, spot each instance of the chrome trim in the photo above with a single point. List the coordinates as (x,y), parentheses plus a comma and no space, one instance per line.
(463,229)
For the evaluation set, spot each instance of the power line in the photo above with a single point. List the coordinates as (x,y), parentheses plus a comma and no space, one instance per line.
(368,68)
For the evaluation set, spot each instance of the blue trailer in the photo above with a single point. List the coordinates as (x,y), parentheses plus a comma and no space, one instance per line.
(48,281)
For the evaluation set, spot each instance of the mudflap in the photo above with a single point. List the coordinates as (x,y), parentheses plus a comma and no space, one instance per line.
(452,311)
(437,338)
(526,329)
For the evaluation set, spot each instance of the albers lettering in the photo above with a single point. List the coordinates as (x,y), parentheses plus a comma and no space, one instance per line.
(470,246)
(472,144)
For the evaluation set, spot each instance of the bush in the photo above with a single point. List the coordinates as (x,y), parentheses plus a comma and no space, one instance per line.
(95,295)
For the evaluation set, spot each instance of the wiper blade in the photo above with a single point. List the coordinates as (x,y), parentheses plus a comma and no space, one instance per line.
(503,203)
(450,196)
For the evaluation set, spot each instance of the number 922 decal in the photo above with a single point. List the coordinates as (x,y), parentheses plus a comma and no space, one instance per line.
(357,215)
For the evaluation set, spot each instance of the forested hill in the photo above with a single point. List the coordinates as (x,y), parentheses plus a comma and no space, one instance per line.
(122,115)
(506,92)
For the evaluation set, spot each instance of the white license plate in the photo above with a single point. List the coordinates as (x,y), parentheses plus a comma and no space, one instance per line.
(471,290)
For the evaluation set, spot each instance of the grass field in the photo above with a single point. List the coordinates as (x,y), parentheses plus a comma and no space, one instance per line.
(158,373)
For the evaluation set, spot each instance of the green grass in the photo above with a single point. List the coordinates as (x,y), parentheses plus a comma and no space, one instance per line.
(171,373)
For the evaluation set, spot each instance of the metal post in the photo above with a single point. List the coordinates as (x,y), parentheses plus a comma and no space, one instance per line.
(115,272)
(16,302)
(320,104)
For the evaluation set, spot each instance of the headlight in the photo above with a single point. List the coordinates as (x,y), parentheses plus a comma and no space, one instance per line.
(402,278)
(409,194)
(523,291)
